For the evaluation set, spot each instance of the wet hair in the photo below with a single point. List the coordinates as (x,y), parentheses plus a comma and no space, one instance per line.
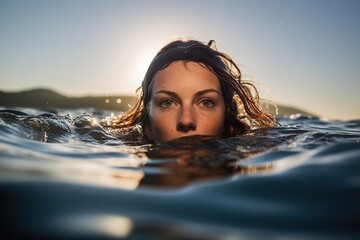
(242,101)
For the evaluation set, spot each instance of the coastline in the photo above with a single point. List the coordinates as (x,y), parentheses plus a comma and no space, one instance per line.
(45,98)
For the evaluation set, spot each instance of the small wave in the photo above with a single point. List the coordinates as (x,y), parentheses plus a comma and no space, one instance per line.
(64,175)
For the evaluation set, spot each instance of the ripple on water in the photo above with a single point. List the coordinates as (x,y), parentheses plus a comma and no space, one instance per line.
(64,175)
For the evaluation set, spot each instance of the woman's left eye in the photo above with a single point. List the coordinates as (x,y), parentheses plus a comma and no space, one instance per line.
(207,103)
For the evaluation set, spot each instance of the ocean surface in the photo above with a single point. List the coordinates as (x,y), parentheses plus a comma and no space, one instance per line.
(64,176)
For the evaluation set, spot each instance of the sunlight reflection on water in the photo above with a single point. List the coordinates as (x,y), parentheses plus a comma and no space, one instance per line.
(116,226)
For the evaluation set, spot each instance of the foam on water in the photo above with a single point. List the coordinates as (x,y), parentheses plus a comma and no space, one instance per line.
(63,175)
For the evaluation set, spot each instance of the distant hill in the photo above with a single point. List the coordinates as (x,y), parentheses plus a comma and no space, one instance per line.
(44,98)
(284,110)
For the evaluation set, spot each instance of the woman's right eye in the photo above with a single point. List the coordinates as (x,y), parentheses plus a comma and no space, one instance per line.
(166,103)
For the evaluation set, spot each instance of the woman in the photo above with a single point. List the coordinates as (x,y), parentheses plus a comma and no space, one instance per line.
(190,89)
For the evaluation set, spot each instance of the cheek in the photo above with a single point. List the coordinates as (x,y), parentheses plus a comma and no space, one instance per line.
(161,125)
(157,122)
(215,124)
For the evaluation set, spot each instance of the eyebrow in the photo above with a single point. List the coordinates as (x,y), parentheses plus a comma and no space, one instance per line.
(197,94)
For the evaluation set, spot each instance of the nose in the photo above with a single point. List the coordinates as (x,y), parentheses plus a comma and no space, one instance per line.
(186,121)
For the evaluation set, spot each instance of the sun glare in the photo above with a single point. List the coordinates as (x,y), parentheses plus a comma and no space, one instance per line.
(143,63)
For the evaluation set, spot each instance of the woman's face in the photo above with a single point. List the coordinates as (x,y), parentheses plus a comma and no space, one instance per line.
(185,100)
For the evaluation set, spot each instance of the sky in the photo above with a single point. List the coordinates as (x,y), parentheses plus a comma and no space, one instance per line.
(303,53)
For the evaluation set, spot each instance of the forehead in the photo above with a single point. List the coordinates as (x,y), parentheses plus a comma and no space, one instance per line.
(185,74)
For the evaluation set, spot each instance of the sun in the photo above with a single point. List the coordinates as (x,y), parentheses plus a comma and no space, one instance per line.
(143,64)
(143,61)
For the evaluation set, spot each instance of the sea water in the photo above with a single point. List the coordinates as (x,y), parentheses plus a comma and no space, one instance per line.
(64,176)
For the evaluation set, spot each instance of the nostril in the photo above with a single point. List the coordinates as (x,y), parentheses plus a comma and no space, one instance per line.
(186,127)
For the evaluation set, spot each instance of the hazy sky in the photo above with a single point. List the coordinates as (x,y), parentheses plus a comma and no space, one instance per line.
(304,53)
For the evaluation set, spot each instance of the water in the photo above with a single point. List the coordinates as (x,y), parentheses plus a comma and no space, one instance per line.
(64,176)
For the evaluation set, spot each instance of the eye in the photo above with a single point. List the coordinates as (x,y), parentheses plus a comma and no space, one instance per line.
(207,103)
(166,103)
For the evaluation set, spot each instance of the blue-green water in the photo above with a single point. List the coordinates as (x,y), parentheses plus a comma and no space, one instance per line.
(63,176)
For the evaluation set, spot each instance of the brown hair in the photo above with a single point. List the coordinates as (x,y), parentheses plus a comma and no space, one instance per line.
(242,101)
